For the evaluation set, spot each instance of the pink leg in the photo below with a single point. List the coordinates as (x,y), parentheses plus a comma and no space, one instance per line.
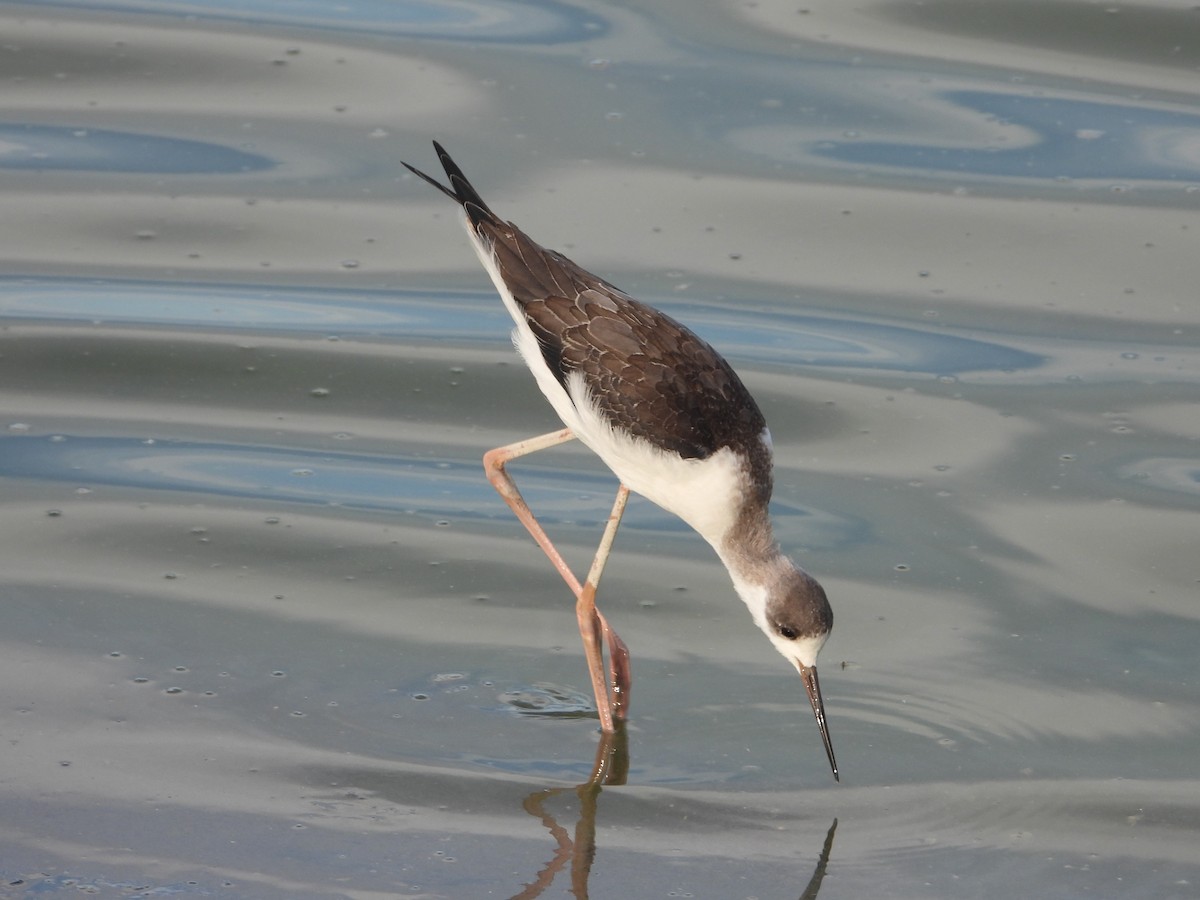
(620,677)
(493,464)
(593,627)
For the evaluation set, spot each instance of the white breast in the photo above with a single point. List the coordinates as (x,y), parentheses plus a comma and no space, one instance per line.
(702,492)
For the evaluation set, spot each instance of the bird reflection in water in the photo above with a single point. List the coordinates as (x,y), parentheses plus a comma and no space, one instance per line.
(578,850)
(611,767)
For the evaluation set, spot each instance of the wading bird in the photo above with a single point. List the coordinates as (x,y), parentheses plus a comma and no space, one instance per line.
(671,419)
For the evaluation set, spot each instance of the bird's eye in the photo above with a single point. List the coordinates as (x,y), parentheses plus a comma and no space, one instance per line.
(787,631)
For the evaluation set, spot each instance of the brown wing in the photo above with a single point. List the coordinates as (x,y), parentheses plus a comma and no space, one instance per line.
(647,373)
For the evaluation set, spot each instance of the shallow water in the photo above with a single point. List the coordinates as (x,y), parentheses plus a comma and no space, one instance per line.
(268,632)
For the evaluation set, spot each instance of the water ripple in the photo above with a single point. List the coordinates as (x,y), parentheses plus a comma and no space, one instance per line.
(352,480)
(61,148)
(1046,137)
(774,337)
(1174,474)
(546,22)
(397,484)
(241,307)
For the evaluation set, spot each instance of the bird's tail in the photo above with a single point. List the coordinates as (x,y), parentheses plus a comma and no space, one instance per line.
(460,191)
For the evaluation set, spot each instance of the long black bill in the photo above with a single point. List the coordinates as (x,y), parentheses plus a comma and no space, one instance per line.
(809,675)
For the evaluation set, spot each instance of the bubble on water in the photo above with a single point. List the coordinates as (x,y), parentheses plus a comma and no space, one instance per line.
(544,699)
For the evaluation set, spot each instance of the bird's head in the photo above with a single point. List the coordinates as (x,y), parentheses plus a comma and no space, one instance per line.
(795,615)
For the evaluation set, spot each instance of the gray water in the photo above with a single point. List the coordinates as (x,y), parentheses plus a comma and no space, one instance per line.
(267,632)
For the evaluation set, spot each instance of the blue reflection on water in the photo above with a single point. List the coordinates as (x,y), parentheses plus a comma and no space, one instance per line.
(396,484)
(304,310)
(545,21)
(1076,138)
(26,146)
(778,337)
(269,473)
(784,338)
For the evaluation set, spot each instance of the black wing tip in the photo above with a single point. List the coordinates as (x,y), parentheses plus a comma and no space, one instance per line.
(442,154)
(461,190)
(429,179)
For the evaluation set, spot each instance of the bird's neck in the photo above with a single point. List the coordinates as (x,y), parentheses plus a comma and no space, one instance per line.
(754,560)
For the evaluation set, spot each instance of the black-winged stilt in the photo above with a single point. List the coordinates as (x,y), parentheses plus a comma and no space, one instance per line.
(672,420)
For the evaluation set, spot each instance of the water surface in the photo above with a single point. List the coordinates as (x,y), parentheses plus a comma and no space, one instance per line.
(267,631)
